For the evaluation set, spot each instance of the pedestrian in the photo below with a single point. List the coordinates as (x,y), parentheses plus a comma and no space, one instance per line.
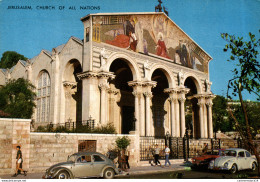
(167,153)
(127,155)
(156,155)
(19,161)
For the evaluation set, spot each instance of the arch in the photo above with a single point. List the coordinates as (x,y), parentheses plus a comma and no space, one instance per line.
(131,63)
(196,81)
(68,73)
(166,71)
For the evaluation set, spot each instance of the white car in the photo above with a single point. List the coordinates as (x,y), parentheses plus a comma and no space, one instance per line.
(233,160)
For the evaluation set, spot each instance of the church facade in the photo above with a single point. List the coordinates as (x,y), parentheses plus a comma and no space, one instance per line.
(137,71)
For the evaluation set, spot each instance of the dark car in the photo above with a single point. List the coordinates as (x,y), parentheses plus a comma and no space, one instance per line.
(82,165)
(202,162)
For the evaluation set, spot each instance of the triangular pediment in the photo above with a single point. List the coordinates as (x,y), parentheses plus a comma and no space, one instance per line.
(153,34)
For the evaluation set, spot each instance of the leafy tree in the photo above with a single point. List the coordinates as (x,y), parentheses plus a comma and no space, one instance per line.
(17,98)
(246,78)
(220,114)
(10,58)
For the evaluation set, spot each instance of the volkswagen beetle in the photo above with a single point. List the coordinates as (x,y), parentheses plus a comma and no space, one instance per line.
(233,160)
(82,165)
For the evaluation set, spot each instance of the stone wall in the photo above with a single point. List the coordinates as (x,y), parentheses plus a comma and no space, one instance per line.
(41,150)
(13,132)
(47,149)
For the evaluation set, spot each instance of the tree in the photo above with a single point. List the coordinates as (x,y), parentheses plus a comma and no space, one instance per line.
(246,78)
(220,114)
(10,58)
(17,98)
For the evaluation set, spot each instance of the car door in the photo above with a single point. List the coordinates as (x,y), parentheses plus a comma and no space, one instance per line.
(242,160)
(83,168)
(98,165)
(249,160)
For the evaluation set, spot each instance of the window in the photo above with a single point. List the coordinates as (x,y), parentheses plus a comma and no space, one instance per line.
(98,158)
(43,98)
(241,154)
(248,154)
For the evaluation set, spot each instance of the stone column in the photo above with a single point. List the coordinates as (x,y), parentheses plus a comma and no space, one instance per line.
(201,105)
(137,121)
(70,106)
(210,119)
(142,115)
(182,101)
(172,98)
(148,97)
(103,87)
(177,117)
(205,113)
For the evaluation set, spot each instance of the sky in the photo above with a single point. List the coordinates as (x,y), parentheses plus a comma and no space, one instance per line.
(28,31)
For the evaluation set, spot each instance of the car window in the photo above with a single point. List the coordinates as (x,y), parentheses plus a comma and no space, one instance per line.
(98,158)
(248,154)
(72,158)
(84,159)
(241,154)
(230,153)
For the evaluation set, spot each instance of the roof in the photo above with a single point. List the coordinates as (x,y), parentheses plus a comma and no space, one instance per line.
(3,70)
(23,62)
(59,48)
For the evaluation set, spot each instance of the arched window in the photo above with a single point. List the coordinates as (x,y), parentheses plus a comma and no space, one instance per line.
(43,97)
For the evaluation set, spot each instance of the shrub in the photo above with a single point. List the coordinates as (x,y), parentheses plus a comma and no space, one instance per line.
(122,143)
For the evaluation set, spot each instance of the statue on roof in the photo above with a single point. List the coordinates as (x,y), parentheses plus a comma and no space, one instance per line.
(158,8)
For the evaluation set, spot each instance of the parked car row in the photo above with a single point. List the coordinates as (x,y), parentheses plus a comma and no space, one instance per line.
(233,160)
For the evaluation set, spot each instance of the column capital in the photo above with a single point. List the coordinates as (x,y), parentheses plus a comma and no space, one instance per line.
(103,86)
(86,75)
(112,91)
(135,83)
(170,90)
(136,94)
(68,84)
(106,75)
(148,94)
(182,99)
(151,84)
(210,104)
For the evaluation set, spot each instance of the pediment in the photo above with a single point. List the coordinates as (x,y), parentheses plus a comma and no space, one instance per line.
(152,34)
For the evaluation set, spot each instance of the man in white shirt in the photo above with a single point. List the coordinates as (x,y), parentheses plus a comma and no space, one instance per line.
(167,153)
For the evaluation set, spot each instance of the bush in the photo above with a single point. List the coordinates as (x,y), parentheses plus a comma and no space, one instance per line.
(122,143)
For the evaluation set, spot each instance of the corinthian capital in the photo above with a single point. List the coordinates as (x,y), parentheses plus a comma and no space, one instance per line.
(103,86)
(148,94)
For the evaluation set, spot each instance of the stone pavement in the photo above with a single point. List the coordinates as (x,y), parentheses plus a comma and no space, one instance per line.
(144,168)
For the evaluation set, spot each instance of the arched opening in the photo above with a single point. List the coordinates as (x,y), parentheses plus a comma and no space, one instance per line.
(122,114)
(160,104)
(192,109)
(73,91)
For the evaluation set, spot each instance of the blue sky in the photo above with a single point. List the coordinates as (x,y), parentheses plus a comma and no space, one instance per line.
(29,31)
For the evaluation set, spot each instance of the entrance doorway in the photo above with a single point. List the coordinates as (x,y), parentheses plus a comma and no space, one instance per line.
(128,119)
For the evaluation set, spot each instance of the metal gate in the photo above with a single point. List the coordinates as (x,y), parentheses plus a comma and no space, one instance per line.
(147,145)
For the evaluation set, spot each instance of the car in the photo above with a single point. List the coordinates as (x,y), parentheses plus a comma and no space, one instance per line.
(233,160)
(83,165)
(202,162)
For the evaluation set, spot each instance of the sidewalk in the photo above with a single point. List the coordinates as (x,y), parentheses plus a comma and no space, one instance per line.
(144,168)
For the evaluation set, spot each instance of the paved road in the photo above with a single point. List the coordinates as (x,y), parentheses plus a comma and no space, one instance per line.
(157,172)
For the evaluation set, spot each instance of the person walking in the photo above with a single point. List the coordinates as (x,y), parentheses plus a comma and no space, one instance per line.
(167,153)
(127,155)
(156,155)
(19,160)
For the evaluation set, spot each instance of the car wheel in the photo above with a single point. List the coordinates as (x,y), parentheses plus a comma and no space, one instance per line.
(109,173)
(253,166)
(63,175)
(233,169)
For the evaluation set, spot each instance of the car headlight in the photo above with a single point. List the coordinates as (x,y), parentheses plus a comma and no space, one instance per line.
(226,164)
(211,163)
